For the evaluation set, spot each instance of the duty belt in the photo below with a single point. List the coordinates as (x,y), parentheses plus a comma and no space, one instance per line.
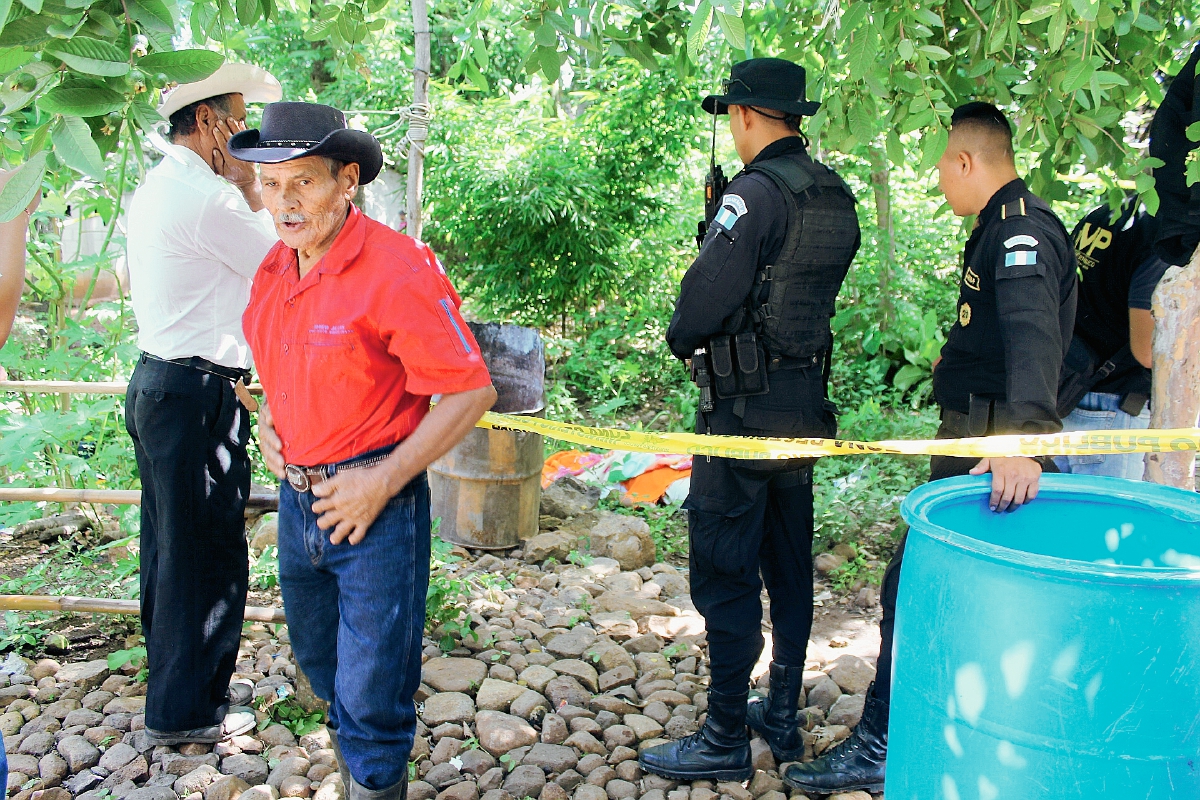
(776,363)
(302,479)
(955,425)
(987,417)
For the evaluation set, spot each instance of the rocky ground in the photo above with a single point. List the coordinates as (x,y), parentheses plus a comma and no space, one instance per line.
(577,661)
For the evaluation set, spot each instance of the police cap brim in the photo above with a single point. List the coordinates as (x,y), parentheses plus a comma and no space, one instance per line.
(720,103)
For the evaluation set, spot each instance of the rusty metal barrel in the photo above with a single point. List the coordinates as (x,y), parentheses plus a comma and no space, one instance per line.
(487,490)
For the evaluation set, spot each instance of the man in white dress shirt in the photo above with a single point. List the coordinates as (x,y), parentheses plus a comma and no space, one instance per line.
(197,233)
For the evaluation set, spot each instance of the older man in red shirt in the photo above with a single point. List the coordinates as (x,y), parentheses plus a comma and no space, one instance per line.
(353,328)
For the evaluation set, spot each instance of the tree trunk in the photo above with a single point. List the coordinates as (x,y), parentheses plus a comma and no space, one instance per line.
(1176,393)
(885,237)
(416,151)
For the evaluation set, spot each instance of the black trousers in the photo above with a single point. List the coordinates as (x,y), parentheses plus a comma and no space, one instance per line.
(190,432)
(748,519)
(940,467)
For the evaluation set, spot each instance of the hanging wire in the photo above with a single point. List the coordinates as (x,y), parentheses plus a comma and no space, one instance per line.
(416,116)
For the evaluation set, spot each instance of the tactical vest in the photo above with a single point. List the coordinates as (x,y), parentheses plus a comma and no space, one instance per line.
(793,299)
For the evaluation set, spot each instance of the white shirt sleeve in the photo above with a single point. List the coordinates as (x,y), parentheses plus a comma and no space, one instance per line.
(233,234)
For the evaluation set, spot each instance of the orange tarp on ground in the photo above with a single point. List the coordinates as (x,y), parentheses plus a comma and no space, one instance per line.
(650,486)
(652,474)
(567,462)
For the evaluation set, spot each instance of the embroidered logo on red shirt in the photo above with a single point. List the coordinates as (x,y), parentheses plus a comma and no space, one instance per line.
(330,330)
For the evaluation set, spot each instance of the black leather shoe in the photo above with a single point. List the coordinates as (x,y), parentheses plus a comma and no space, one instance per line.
(241,692)
(856,764)
(237,721)
(775,715)
(398,791)
(355,790)
(719,751)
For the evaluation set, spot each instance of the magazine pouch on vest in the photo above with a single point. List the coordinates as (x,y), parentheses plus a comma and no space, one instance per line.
(793,299)
(739,365)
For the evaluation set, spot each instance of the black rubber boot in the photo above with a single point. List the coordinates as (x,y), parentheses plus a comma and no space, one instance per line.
(775,716)
(856,764)
(719,751)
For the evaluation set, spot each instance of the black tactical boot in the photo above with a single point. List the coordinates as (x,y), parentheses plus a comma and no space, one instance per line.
(775,716)
(719,751)
(855,764)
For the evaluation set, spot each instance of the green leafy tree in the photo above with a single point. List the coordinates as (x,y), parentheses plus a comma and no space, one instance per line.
(542,216)
(78,81)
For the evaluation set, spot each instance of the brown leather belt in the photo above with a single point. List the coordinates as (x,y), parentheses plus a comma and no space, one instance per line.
(302,479)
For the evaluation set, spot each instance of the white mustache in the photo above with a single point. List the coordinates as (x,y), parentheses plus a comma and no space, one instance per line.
(290,216)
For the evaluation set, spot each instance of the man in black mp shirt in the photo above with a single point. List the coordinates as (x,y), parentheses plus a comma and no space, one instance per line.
(1118,270)
(998,374)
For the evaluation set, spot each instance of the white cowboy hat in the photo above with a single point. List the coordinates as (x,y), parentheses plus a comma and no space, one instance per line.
(256,85)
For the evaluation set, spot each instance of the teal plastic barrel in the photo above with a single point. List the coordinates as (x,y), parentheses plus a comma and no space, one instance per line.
(1050,652)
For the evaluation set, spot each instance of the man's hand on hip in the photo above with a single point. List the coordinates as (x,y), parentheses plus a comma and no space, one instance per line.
(269,443)
(1014,481)
(350,501)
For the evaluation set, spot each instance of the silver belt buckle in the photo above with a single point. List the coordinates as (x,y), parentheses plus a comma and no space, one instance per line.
(297,477)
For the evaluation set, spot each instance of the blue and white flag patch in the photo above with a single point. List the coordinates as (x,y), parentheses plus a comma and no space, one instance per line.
(1024,239)
(1020,258)
(733,207)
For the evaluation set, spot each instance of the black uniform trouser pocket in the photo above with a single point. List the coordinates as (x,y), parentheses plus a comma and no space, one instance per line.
(749,527)
(189,433)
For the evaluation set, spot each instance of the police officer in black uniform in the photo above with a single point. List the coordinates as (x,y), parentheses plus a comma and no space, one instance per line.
(998,374)
(1178,212)
(753,315)
(1106,376)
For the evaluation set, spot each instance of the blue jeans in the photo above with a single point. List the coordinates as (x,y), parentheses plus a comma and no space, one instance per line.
(356,616)
(1099,411)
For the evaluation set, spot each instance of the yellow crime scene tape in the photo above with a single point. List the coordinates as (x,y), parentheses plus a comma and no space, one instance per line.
(1177,440)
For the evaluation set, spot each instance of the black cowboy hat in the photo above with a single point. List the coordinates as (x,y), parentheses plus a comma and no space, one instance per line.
(765,83)
(296,130)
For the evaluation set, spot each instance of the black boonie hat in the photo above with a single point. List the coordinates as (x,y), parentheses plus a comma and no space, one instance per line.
(766,83)
(296,130)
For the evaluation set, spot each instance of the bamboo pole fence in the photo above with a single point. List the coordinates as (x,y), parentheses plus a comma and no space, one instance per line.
(259,501)
(80,387)
(101,605)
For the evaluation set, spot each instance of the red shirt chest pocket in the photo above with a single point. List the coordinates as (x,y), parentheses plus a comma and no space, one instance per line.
(340,365)
(335,359)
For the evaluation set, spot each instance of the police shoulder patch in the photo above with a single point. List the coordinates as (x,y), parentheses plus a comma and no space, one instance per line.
(971,279)
(735,202)
(1020,258)
(733,208)
(1023,239)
